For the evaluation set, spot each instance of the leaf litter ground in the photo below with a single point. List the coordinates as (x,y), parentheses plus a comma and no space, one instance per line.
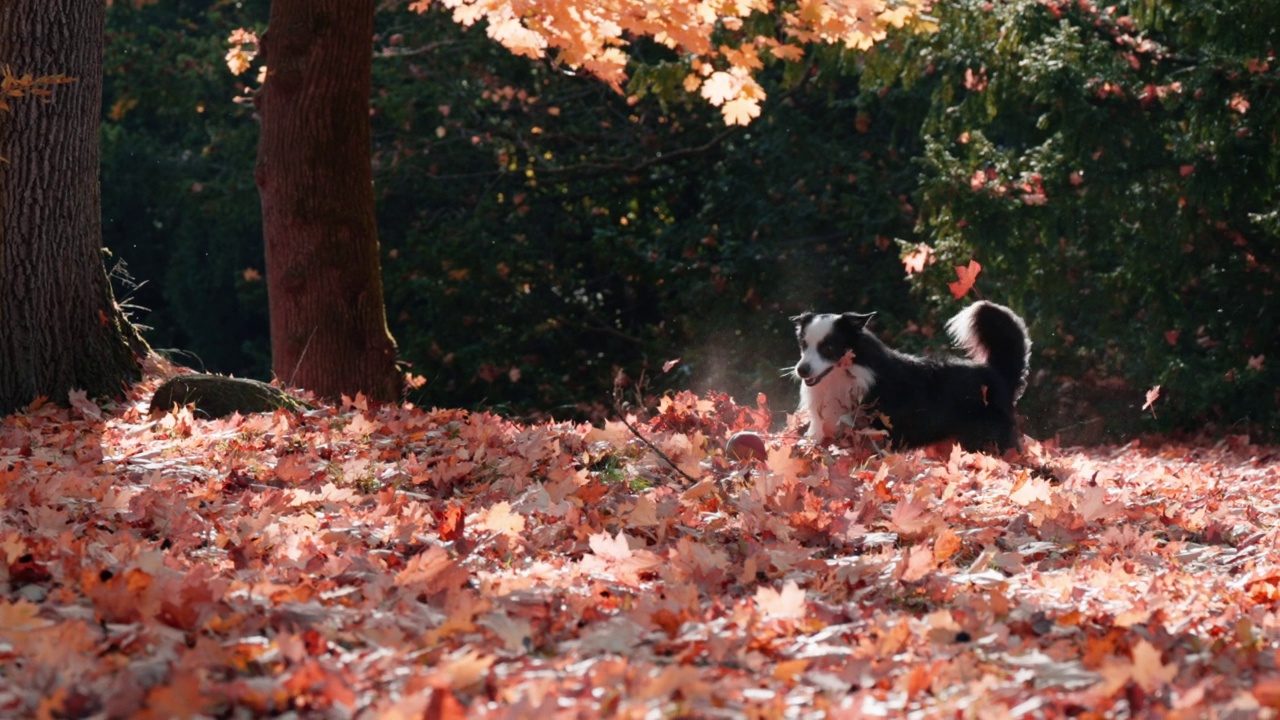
(404,563)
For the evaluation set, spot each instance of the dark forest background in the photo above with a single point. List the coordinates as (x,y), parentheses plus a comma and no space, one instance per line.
(1113,168)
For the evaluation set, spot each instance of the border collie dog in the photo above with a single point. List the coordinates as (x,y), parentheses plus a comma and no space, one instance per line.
(918,400)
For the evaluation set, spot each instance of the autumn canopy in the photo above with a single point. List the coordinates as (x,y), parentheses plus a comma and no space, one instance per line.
(592,35)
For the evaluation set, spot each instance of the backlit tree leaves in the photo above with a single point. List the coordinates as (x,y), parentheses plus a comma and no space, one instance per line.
(721,41)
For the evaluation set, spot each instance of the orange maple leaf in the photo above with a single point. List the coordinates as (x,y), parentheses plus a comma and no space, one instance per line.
(790,53)
(741,111)
(910,516)
(500,518)
(788,602)
(721,87)
(967,276)
(946,544)
(452,522)
(916,260)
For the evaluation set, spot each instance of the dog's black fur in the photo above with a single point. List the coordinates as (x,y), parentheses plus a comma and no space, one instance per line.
(923,400)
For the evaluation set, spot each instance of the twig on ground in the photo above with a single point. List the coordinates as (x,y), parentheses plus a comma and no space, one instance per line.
(635,431)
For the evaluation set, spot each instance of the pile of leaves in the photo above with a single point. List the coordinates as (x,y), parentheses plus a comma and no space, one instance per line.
(400,562)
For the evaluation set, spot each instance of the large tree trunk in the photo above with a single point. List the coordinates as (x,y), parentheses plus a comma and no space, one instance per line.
(324,284)
(60,328)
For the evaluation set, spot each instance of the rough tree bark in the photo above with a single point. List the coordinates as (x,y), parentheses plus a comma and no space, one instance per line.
(328,319)
(60,327)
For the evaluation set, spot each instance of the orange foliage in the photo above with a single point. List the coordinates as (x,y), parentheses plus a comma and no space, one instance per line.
(592,35)
(16,86)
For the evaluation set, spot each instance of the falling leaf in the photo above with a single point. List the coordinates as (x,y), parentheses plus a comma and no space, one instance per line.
(1152,395)
(967,275)
(920,256)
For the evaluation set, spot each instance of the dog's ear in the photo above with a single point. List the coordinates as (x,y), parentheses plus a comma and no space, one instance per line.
(802,319)
(858,320)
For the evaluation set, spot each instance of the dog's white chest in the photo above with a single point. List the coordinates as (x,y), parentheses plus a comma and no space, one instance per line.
(835,398)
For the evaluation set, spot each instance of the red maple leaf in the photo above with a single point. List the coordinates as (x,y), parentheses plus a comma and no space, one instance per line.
(967,274)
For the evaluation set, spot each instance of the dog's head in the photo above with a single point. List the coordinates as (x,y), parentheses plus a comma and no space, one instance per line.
(825,339)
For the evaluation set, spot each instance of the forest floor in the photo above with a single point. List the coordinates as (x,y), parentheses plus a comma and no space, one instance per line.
(397,562)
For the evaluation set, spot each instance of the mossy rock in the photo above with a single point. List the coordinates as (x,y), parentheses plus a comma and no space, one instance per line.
(217,396)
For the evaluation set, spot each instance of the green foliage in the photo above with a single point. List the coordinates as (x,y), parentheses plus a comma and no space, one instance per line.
(1115,172)
(180,207)
(540,233)
(545,234)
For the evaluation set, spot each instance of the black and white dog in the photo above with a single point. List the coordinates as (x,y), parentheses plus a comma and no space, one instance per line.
(918,400)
